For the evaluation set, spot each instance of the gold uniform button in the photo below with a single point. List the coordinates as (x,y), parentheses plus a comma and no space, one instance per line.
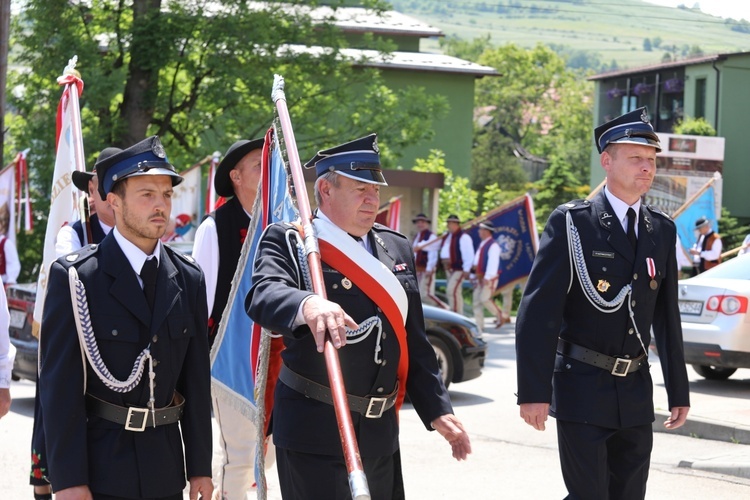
(635,276)
(155,338)
(630,331)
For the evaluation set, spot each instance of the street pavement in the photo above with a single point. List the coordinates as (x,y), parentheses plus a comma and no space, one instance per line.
(708,458)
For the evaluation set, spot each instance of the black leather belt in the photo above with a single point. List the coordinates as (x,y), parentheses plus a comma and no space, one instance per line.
(370,407)
(618,367)
(133,418)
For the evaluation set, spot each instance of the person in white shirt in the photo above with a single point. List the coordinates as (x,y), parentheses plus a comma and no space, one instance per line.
(426,247)
(72,236)
(707,250)
(217,248)
(10,264)
(486,271)
(7,355)
(456,254)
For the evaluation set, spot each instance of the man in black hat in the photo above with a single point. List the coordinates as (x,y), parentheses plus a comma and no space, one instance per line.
(137,310)
(371,284)
(485,273)
(102,219)
(217,248)
(456,254)
(604,277)
(707,250)
(426,247)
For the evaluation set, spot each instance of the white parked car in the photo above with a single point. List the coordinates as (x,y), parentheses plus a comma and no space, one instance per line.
(715,321)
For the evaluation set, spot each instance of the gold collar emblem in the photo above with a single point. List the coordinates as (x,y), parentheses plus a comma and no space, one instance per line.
(603,286)
(346,283)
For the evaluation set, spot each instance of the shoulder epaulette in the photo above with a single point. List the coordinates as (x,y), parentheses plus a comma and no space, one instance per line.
(81,254)
(659,212)
(187,258)
(381,228)
(575,205)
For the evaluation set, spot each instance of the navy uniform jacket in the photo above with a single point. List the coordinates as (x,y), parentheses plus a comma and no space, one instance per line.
(577,391)
(306,425)
(88,450)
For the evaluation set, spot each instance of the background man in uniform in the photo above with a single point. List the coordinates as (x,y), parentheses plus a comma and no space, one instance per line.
(707,250)
(582,340)
(426,260)
(69,239)
(308,448)
(486,269)
(217,248)
(456,254)
(102,219)
(115,433)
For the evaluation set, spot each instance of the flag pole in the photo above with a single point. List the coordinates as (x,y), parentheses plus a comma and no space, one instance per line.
(357,479)
(695,196)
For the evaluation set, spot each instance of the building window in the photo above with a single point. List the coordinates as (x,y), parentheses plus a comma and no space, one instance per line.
(700,98)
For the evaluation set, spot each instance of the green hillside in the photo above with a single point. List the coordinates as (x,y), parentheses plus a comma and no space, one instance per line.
(597,32)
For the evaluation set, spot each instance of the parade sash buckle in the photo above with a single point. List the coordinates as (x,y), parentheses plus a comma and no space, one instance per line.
(142,413)
(621,368)
(376,407)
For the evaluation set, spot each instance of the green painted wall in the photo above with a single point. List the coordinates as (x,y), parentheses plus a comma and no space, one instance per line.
(453,133)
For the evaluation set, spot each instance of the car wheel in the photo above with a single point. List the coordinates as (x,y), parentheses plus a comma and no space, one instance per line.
(444,359)
(714,372)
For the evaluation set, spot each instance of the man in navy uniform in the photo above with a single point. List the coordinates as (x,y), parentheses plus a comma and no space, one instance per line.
(124,412)
(604,276)
(371,283)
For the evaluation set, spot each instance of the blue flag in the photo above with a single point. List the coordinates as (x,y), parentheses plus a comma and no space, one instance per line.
(234,356)
(515,232)
(703,206)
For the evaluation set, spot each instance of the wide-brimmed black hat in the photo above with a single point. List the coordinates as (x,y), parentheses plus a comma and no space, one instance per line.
(81,179)
(143,158)
(420,217)
(358,159)
(702,222)
(488,225)
(237,151)
(453,218)
(630,128)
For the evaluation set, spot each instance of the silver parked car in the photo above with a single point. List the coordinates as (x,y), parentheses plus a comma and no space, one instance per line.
(715,321)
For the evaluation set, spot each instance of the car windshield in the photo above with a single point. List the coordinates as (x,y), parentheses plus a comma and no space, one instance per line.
(737,268)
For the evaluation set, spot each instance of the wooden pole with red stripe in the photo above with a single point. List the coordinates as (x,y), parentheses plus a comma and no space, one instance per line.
(357,480)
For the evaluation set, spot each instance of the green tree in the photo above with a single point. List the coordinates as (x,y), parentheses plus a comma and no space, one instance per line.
(199,74)
(558,185)
(537,105)
(647,45)
(456,197)
(731,231)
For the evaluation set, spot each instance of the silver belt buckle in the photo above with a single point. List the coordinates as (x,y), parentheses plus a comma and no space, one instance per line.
(621,367)
(376,407)
(132,411)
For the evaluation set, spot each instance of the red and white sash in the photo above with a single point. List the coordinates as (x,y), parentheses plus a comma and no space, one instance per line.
(343,253)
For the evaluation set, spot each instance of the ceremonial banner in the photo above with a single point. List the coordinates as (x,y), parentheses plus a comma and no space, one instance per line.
(701,206)
(63,195)
(515,232)
(390,214)
(7,204)
(186,201)
(234,357)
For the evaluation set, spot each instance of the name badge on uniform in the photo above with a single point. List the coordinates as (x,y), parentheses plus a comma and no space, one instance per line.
(600,253)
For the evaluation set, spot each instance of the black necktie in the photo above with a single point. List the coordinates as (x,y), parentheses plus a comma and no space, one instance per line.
(631,228)
(148,275)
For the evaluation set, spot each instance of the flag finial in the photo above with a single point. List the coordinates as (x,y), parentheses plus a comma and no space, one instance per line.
(70,69)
